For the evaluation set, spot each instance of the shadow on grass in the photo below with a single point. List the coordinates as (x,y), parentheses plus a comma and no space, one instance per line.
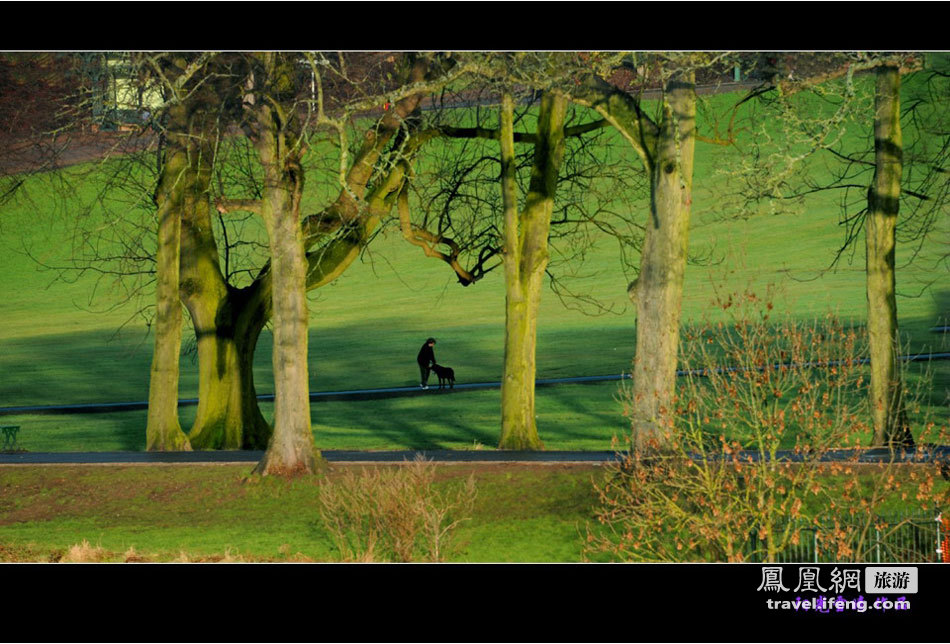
(86,367)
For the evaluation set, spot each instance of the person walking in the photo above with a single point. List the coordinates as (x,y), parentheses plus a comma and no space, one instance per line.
(426,359)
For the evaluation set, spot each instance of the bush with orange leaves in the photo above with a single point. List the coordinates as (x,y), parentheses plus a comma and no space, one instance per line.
(716,491)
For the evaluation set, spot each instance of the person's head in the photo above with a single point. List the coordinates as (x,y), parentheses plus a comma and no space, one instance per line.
(431,342)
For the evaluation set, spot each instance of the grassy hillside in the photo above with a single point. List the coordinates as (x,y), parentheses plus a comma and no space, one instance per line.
(367,326)
(214,513)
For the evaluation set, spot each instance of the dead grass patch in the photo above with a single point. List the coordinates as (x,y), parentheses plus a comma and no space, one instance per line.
(85,553)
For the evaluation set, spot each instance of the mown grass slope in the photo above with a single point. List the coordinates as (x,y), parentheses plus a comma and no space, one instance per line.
(367,326)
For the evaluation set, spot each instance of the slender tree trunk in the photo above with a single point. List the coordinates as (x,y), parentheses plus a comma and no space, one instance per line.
(526,258)
(659,286)
(886,397)
(163,431)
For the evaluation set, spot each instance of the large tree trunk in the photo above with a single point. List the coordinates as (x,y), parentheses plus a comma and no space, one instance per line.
(227,323)
(291,449)
(277,140)
(659,286)
(163,431)
(886,398)
(526,258)
(228,415)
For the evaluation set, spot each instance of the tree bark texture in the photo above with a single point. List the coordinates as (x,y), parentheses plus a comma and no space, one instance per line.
(526,258)
(227,325)
(163,431)
(291,447)
(659,289)
(886,393)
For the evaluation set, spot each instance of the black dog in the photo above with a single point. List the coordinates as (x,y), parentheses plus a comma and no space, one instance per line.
(445,374)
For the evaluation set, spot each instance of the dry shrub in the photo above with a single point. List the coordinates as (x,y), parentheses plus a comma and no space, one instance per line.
(227,557)
(132,556)
(19,553)
(692,497)
(284,552)
(393,514)
(85,553)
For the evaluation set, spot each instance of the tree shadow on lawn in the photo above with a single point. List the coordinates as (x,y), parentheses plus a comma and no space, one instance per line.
(583,412)
(434,421)
(77,367)
(91,432)
(83,367)
(382,352)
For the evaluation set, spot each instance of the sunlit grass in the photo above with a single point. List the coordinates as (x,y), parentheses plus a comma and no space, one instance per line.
(367,326)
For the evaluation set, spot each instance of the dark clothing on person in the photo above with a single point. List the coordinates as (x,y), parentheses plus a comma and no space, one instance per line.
(426,358)
(426,355)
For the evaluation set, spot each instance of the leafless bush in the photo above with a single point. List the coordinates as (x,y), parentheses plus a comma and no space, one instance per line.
(717,492)
(393,514)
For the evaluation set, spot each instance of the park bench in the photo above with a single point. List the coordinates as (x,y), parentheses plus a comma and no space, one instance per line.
(9,437)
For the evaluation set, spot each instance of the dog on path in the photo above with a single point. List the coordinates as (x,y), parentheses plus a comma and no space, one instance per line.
(445,375)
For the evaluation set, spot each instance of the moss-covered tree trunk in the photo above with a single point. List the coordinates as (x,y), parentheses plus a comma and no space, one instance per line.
(227,323)
(659,288)
(886,397)
(163,431)
(526,258)
(228,415)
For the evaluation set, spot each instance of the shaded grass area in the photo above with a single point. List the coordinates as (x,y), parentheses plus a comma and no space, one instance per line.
(524,513)
(571,417)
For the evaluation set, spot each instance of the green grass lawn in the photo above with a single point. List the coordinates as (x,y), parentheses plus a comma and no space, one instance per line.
(527,513)
(570,417)
(577,417)
(367,326)
(524,513)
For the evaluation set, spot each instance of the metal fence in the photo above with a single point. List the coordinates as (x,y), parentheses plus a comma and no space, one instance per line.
(901,537)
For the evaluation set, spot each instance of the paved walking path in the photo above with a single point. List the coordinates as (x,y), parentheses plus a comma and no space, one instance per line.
(332,456)
(927,454)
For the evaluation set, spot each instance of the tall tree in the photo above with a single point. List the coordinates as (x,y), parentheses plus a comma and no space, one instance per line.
(460,195)
(163,431)
(659,286)
(277,136)
(879,173)
(880,225)
(229,320)
(182,188)
(526,258)
(666,149)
